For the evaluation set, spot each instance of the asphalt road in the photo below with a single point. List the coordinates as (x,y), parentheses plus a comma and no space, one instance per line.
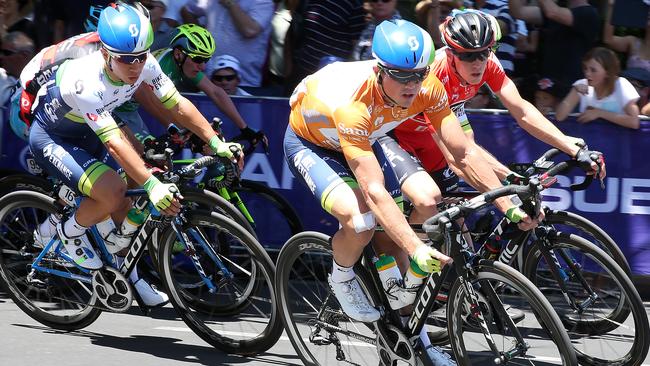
(122,339)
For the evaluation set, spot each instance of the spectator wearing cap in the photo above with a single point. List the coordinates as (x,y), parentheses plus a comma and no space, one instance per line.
(226,75)
(380,10)
(548,94)
(640,79)
(602,94)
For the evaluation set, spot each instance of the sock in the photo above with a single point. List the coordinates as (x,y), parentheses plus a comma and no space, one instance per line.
(341,274)
(73,229)
(424,337)
(48,227)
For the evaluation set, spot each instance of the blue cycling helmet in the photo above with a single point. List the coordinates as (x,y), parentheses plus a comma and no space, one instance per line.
(124,30)
(400,44)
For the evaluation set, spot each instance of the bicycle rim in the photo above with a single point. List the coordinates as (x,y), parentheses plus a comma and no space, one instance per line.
(318,329)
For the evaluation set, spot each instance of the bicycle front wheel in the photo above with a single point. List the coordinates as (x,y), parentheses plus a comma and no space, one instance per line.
(600,307)
(512,323)
(228,300)
(318,329)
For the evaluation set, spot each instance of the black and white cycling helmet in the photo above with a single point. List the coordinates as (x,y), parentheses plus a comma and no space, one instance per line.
(469,31)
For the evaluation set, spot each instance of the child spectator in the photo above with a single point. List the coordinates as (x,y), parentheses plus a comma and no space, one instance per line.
(602,94)
(548,95)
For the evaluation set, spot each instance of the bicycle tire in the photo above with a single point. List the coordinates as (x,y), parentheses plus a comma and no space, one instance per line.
(639,349)
(541,308)
(194,317)
(297,245)
(12,258)
(600,237)
(24,182)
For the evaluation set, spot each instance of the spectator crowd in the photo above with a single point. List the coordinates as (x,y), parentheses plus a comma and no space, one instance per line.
(564,55)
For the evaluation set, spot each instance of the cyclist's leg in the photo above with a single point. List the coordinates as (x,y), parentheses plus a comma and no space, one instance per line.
(408,177)
(80,170)
(328,177)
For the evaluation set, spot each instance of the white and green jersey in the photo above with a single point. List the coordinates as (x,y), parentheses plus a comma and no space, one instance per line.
(81,95)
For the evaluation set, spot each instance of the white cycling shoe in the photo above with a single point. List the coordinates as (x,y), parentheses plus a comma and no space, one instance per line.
(149,294)
(353,300)
(439,357)
(80,250)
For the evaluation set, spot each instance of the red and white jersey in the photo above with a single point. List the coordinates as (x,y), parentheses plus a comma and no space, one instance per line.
(414,135)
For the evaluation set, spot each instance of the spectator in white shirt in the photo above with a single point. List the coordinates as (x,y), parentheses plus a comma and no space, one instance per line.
(602,94)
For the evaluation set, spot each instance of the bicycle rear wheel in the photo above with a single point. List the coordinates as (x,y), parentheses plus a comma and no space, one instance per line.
(51,300)
(320,332)
(519,320)
(227,300)
(611,327)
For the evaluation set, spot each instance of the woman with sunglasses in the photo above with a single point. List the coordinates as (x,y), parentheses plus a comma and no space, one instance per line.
(74,137)
(466,64)
(336,145)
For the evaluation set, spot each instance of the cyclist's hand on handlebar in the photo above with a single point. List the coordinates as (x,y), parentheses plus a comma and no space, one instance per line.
(593,162)
(164,196)
(523,221)
(429,259)
(253,137)
(224,149)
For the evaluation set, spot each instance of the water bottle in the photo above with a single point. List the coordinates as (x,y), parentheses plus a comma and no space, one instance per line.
(412,281)
(391,279)
(133,220)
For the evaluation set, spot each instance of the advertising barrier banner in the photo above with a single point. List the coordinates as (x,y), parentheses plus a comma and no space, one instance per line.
(622,209)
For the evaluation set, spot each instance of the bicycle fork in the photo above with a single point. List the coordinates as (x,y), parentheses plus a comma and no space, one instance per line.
(190,250)
(563,278)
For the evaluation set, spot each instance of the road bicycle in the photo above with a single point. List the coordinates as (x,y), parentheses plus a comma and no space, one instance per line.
(583,273)
(483,299)
(56,292)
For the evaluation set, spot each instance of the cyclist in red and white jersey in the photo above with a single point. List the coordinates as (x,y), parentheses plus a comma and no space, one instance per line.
(463,67)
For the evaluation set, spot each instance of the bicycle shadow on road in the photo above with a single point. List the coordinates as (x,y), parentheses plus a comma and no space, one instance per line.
(168,348)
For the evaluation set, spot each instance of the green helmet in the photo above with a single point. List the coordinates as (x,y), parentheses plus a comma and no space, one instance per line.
(194,40)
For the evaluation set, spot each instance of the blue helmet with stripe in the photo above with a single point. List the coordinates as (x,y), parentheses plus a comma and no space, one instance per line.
(400,44)
(123,29)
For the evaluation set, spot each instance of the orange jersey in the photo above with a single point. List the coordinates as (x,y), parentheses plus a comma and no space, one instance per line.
(341,108)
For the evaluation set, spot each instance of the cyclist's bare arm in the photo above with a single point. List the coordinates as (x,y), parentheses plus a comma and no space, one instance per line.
(368,173)
(501,170)
(223,101)
(533,121)
(188,116)
(466,157)
(150,102)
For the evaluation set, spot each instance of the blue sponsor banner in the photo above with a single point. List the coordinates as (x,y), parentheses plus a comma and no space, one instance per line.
(622,209)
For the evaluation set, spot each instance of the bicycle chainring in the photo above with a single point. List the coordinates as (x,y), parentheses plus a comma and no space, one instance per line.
(111,289)
(393,346)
